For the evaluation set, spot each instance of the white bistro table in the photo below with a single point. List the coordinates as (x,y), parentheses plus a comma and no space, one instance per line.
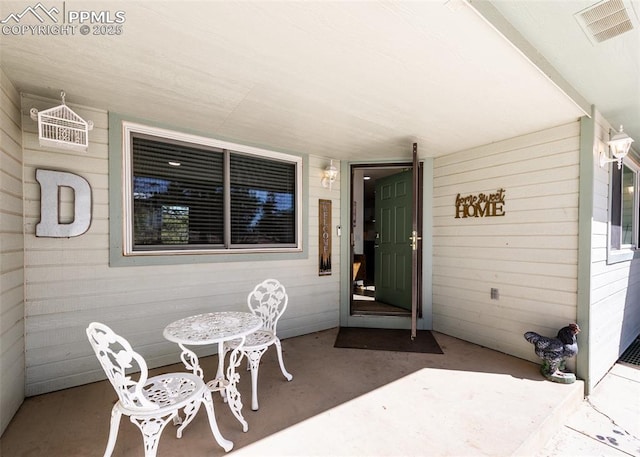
(216,328)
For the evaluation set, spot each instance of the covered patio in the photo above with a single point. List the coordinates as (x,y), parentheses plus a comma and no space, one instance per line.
(468,401)
(479,85)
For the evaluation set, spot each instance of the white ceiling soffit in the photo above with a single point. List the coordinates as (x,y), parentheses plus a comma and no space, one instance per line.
(340,79)
(606,74)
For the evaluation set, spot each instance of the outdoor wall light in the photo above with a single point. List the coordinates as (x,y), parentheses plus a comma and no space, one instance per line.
(619,145)
(329,176)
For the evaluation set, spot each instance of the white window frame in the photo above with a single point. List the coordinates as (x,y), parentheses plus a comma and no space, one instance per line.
(628,251)
(131,128)
(634,218)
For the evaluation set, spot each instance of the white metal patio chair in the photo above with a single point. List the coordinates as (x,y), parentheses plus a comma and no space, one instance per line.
(150,403)
(268,300)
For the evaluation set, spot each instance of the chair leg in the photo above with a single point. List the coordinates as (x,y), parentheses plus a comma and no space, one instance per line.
(190,411)
(208,405)
(113,430)
(254,386)
(231,390)
(286,374)
(253,358)
(151,428)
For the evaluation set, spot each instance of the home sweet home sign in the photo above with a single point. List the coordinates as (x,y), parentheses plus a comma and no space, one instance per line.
(480,205)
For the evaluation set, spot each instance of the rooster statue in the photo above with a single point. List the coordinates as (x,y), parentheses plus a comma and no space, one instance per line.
(554,352)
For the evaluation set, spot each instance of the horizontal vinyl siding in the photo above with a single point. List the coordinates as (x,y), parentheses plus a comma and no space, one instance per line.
(12,343)
(70,282)
(615,288)
(529,254)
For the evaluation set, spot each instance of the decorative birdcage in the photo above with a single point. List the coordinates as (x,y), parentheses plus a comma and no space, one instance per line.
(60,127)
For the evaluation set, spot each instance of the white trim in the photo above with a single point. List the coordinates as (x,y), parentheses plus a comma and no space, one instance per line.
(626,252)
(634,220)
(132,127)
(129,127)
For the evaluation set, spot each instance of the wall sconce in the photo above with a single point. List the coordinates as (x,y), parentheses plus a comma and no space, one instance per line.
(330,175)
(619,145)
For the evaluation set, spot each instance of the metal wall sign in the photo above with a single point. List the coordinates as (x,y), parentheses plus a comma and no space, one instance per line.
(50,226)
(480,205)
(324,231)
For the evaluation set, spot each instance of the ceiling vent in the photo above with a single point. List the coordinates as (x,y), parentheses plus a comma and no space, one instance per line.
(607,19)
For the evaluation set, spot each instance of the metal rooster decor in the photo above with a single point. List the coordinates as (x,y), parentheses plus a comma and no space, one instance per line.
(555,351)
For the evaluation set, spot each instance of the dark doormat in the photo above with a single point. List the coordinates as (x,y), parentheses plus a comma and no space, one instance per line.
(382,339)
(632,354)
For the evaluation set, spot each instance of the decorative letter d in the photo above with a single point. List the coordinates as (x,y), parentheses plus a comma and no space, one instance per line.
(49,225)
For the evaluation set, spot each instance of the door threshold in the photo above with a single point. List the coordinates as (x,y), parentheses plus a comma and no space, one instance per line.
(376,308)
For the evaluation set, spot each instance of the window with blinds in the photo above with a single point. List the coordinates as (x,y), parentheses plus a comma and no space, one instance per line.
(262,201)
(187,194)
(624,207)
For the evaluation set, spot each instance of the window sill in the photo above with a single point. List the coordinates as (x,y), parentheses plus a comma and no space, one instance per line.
(622,255)
(119,260)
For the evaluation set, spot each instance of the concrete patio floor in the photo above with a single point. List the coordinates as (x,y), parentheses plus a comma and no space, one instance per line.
(341,402)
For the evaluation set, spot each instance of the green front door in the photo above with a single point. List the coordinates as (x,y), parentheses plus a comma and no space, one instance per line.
(393,252)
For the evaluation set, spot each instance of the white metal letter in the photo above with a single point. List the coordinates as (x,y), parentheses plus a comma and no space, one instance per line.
(49,226)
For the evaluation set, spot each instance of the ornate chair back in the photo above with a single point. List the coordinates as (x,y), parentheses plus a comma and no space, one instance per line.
(268,300)
(116,357)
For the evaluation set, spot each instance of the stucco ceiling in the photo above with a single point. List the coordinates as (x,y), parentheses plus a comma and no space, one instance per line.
(341,79)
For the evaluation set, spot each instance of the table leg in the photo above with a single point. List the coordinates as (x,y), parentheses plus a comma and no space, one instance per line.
(220,373)
(190,360)
(220,379)
(208,404)
(225,385)
(233,396)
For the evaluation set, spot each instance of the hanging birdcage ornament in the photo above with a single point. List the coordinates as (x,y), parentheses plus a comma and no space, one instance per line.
(60,127)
